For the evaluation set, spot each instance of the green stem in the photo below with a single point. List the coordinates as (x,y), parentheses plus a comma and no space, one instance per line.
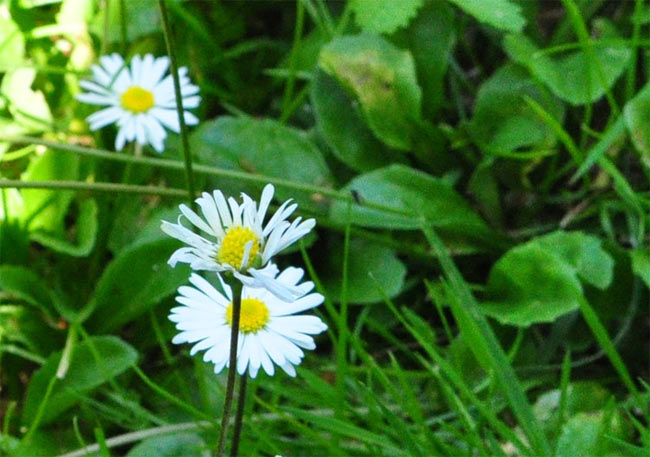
(106,6)
(93,186)
(232,367)
(204,169)
(169,41)
(123,31)
(630,81)
(288,89)
(239,416)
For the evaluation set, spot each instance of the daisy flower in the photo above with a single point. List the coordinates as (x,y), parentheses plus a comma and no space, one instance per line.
(139,99)
(269,331)
(237,240)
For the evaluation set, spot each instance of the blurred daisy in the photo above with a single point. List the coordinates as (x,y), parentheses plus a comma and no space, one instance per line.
(238,241)
(138,99)
(269,331)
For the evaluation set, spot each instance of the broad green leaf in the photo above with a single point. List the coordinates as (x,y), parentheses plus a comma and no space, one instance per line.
(46,209)
(529,285)
(27,327)
(84,374)
(141,18)
(341,124)
(85,228)
(134,282)
(641,264)
(262,146)
(9,127)
(578,77)
(138,223)
(430,37)
(637,119)
(405,189)
(177,445)
(583,396)
(538,281)
(365,259)
(582,436)
(384,16)
(382,78)
(12,43)
(14,237)
(28,107)
(501,14)
(584,253)
(23,284)
(503,120)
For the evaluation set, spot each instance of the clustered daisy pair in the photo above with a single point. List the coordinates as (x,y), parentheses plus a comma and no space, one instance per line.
(242,246)
(235,240)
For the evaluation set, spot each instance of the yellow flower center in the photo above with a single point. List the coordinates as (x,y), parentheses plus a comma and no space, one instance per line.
(233,245)
(253,317)
(137,100)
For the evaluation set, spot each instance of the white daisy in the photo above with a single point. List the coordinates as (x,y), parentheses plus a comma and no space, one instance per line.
(269,332)
(239,242)
(138,99)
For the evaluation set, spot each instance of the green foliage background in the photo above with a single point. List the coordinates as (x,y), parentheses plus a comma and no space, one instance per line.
(479,173)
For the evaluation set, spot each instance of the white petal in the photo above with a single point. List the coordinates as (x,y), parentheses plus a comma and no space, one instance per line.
(155,133)
(169,118)
(120,139)
(289,369)
(104,117)
(222,206)
(210,213)
(140,134)
(196,220)
(145,72)
(304,324)
(304,303)
(96,99)
(158,70)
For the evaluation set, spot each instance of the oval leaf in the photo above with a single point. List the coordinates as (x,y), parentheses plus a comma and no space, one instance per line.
(25,285)
(404,189)
(366,261)
(134,282)
(264,147)
(501,14)
(382,78)
(582,252)
(85,373)
(85,228)
(340,123)
(576,77)
(503,120)
(530,285)
(637,119)
(384,16)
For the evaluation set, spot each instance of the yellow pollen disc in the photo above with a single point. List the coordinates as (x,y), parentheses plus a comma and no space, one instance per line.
(233,244)
(253,317)
(137,100)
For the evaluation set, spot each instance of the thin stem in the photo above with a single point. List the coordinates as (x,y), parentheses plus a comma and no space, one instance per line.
(169,41)
(92,186)
(239,416)
(203,169)
(106,6)
(288,89)
(232,367)
(123,31)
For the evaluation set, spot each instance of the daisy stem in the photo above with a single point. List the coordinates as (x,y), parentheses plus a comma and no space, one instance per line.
(239,416)
(232,367)
(169,41)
